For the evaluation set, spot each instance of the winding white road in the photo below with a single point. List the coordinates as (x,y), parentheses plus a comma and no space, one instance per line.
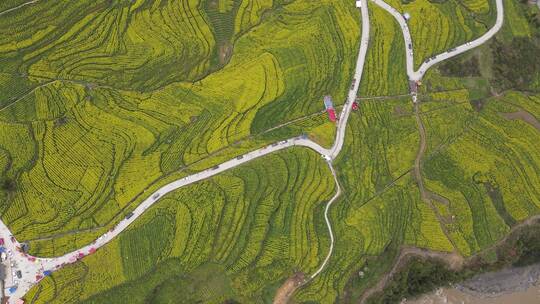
(428,63)
(33,268)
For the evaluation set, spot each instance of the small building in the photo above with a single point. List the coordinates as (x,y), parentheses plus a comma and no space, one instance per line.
(407,16)
(358,3)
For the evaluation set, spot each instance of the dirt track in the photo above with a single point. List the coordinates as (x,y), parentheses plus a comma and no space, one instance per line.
(426,195)
(524,116)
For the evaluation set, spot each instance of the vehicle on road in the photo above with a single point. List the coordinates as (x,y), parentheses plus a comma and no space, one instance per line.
(215,167)
(155,196)
(128,216)
(239,157)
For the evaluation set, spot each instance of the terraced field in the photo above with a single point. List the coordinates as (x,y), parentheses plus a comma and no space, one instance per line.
(105,99)
(102,101)
(385,63)
(245,229)
(486,171)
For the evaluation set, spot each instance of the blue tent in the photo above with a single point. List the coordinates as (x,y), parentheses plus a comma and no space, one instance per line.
(2,249)
(12,289)
(47,272)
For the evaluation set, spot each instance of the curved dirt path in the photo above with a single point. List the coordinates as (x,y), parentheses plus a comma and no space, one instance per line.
(426,195)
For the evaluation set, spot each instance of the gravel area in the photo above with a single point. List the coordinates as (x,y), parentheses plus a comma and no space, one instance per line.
(494,284)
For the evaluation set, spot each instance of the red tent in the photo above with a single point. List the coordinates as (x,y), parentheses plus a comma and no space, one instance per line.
(331,114)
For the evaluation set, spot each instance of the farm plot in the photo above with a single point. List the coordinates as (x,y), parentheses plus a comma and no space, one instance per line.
(249,225)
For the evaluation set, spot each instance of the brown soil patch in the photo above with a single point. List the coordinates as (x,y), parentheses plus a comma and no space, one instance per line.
(225,52)
(213,4)
(524,116)
(288,288)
